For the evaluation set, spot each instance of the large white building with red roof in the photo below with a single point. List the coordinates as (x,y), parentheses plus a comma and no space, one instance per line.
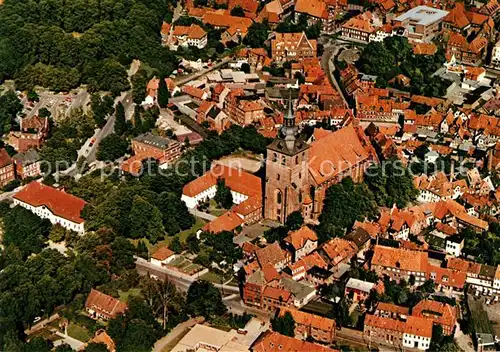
(55,205)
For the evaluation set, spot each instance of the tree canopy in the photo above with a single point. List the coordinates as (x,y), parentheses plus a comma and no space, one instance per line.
(111,148)
(285,324)
(205,300)
(344,203)
(60,44)
(394,56)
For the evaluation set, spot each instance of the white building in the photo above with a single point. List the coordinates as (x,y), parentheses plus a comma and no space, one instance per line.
(454,246)
(242,185)
(192,35)
(495,55)
(50,203)
(417,333)
(162,256)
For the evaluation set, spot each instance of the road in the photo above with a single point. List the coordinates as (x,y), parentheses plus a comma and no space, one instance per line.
(201,73)
(175,333)
(74,343)
(329,53)
(202,214)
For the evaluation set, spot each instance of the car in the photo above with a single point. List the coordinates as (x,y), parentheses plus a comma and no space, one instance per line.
(36,320)
(488,302)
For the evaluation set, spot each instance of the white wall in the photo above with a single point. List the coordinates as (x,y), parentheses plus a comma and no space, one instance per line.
(45,213)
(410,341)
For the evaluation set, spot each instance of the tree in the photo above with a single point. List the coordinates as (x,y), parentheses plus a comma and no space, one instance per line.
(193,243)
(257,35)
(223,195)
(44,112)
(38,344)
(237,11)
(344,203)
(245,67)
(120,121)
(111,148)
(294,221)
(137,329)
(33,96)
(145,220)
(175,245)
(96,347)
(285,324)
(163,93)
(64,347)
(204,299)
(162,297)
(25,230)
(57,233)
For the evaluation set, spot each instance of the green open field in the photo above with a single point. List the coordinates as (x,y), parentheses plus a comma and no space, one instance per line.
(480,318)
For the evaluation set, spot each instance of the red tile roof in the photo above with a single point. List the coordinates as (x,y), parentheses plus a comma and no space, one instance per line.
(315,8)
(308,319)
(336,153)
(226,222)
(418,326)
(163,253)
(271,254)
(384,323)
(4,158)
(299,238)
(439,313)
(99,301)
(400,258)
(237,180)
(60,203)
(275,342)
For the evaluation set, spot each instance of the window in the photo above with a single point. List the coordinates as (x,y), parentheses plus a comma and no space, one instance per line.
(296,160)
(278,177)
(278,199)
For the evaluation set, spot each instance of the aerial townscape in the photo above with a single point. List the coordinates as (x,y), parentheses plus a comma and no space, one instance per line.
(249,175)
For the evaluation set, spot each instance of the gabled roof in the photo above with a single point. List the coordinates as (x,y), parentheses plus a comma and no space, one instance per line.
(97,300)
(400,259)
(384,323)
(439,313)
(337,152)
(308,319)
(4,158)
(163,253)
(299,238)
(418,326)
(314,8)
(271,254)
(226,222)
(275,342)
(60,203)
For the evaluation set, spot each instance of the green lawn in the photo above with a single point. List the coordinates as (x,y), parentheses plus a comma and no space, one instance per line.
(214,209)
(212,277)
(124,295)
(197,225)
(79,332)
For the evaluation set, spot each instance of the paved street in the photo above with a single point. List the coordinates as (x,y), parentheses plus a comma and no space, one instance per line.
(327,65)
(201,214)
(175,333)
(201,73)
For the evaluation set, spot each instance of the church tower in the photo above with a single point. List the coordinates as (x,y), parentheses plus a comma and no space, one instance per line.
(287,183)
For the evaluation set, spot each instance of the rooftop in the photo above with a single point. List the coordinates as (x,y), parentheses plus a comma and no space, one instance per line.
(423,15)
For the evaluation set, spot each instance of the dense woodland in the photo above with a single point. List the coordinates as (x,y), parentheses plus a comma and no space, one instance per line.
(60,44)
(395,56)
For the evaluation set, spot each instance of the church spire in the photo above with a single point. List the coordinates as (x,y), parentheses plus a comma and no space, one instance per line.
(289,129)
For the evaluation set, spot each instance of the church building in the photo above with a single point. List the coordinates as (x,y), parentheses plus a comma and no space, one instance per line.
(299,173)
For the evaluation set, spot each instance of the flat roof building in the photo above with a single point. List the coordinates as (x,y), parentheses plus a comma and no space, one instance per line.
(422,22)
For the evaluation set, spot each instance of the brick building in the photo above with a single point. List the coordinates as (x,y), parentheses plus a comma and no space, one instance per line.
(298,174)
(309,325)
(293,46)
(27,164)
(32,133)
(103,306)
(440,313)
(301,242)
(400,264)
(7,173)
(149,146)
